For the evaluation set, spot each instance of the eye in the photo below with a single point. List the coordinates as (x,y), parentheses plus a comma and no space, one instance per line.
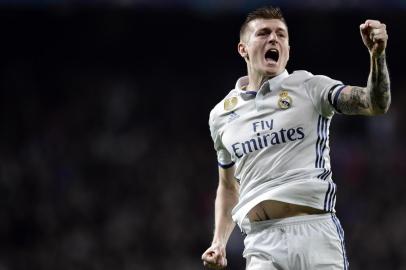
(263,32)
(281,34)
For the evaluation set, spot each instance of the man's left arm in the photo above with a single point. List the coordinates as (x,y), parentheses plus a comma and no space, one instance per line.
(375,98)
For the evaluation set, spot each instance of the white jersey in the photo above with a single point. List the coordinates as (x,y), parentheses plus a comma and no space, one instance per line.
(277,138)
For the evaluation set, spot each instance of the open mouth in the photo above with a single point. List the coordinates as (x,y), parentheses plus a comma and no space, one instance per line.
(272,55)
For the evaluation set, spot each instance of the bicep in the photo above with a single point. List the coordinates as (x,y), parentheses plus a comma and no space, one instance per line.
(226,178)
(354,100)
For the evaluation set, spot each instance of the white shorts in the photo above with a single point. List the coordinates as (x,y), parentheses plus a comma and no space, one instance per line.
(302,242)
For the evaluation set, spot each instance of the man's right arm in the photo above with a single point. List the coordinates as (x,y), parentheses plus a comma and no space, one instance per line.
(375,98)
(226,198)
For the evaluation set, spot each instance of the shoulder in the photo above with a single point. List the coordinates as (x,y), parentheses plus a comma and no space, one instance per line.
(308,79)
(301,74)
(221,107)
(298,77)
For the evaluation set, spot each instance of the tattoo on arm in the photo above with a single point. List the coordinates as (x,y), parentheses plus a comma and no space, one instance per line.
(353,101)
(370,100)
(379,84)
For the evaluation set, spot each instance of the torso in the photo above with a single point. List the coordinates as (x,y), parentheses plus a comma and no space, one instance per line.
(270,209)
(278,140)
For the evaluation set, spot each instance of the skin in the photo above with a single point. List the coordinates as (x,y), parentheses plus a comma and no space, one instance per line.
(375,98)
(227,197)
(370,100)
(260,36)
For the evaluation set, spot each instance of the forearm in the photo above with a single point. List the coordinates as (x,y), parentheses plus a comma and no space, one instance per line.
(378,86)
(226,199)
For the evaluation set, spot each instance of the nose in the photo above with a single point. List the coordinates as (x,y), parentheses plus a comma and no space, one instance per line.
(273,38)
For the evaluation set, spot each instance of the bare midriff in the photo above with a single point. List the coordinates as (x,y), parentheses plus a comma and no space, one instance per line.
(270,209)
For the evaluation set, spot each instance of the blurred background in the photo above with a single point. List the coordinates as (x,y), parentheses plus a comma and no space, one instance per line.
(106,161)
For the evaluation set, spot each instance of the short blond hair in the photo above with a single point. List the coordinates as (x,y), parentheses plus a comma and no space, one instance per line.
(268,12)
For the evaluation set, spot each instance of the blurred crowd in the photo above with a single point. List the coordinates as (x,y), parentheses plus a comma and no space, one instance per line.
(110,166)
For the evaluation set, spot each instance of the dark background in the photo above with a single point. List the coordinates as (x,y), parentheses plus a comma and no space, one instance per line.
(106,161)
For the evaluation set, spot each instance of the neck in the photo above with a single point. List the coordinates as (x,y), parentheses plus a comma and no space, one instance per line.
(256,80)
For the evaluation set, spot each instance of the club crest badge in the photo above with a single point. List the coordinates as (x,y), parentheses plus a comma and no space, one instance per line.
(285,101)
(230,103)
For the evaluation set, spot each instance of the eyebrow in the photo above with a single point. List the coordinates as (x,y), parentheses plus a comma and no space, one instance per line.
(278,29)
(281,29)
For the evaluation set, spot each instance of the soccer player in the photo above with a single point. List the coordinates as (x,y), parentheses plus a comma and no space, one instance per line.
(271,136)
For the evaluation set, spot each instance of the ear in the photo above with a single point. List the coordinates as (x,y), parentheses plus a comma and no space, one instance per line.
(242,50)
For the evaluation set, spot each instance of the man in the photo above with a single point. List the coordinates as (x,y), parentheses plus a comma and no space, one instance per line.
(271,138)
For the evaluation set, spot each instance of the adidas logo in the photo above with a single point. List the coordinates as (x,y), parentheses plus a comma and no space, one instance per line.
(232,116)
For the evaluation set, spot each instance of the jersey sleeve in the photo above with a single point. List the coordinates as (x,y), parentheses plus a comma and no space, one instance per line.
(323,91)
(223,156)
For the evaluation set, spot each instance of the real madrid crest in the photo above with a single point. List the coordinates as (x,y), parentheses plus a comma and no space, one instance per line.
(285,101)
(230,103)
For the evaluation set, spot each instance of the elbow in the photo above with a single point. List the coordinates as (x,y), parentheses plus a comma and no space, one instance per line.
(386,108)
(380,110)
(387,105)
(382,107)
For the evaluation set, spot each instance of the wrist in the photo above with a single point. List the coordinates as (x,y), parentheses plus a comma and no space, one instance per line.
(377,55)
(218,243)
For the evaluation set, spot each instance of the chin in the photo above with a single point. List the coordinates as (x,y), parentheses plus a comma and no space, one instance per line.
(273,71)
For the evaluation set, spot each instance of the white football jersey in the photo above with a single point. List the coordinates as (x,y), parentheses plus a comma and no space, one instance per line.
(277,137)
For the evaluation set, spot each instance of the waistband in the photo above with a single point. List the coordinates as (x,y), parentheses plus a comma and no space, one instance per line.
(282,222)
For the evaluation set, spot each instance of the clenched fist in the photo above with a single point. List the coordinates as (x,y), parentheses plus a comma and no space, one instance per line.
(215,257)
(374,36)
